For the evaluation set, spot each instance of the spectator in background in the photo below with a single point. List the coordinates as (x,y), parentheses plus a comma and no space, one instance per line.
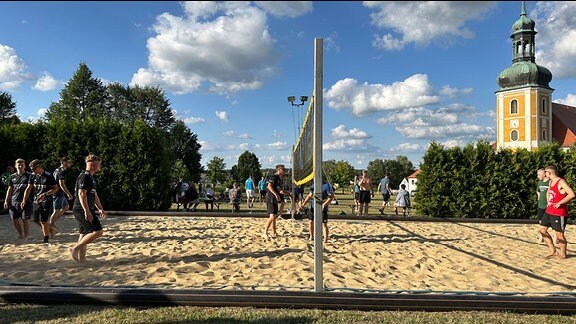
(209,197)
(250,192)
(402,200)
(384,189)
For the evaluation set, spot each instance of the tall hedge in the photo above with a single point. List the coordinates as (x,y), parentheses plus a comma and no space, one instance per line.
(475,181)
(136,157)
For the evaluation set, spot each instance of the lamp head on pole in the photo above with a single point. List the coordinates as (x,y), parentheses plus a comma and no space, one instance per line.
(292,99)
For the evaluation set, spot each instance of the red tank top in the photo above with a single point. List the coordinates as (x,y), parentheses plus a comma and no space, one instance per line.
(554,197)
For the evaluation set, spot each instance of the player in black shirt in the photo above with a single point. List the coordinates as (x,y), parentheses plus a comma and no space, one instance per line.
(19,199)
(44,187)
(86,201)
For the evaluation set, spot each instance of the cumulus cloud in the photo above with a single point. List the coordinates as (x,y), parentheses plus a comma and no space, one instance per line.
(224,45)
(232,133)
(193,120)
(222,115)
(290,9)
(362,99)
(406,148)
(12,69)
(46,83)
(451,92)
(570,100)
(341,132)
(420,22)
(443,122)
(556,49)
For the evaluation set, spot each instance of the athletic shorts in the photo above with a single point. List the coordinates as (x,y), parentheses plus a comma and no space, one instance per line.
(557,223)
(386,196)
(357,195)
(250,193)
(16,212)
(540,213)
(272,208)
(262,193)
(84,226)
(42,211)
(60,202)
(324,215)
(364,196)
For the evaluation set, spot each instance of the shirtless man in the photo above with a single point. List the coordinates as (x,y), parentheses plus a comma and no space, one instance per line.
(366,192)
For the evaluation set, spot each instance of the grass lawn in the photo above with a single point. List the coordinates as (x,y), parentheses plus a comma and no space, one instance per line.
(27,313)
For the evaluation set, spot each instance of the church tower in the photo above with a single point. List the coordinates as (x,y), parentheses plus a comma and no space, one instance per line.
(524,100)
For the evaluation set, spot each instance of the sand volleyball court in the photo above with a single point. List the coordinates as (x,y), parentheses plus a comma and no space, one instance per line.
(229,253)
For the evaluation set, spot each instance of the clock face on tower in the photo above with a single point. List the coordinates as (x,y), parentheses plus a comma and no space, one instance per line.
(514,123)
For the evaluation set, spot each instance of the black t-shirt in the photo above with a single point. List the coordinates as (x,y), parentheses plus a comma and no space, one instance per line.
(87,182)
(19,184)
(276,182)
(43,183)
(59,174)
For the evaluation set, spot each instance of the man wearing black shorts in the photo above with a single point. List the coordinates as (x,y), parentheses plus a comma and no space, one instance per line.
(61,196)
(327,197)
(275,195)
(44,187)
(86,201)
(19,199)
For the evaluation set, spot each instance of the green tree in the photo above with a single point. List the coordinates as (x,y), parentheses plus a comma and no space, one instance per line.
(248,165)
(216,170)
(342,173)
(7,109)
(185,147)
(83,97)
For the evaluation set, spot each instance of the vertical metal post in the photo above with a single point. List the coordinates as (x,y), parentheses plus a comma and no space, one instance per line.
(317,165)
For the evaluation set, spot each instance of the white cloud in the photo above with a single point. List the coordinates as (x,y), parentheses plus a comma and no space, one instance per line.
(570,100)
(433,132)
(12,69)
(232,133)
(225,45)
(349,144)
(46,83)
(277,146)
(193,120)
(290,9)
(361,99)
(421,22)
(222,115)
(450,92)
(555,46)
(341,132)
(406,148)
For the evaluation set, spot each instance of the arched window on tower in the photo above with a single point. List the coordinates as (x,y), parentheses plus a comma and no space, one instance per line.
(544,105)
(514,106)
(544,135)
(514,135)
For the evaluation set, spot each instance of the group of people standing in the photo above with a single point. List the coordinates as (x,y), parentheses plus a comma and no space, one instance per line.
(43,196)
(363,194)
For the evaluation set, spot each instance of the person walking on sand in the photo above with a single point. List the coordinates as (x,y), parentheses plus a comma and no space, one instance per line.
(556,215)
(61,196)
(542,185)
(18,199)
(86,201)
(44,187)
(274,196)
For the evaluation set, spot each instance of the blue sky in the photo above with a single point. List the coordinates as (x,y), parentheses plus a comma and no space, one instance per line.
(397,75)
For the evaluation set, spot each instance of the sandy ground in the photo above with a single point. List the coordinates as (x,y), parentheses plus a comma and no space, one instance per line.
(229,253)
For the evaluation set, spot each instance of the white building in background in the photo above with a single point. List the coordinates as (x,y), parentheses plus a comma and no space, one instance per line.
(411,182)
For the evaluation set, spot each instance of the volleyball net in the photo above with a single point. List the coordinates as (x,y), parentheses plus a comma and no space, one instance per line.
(303,153)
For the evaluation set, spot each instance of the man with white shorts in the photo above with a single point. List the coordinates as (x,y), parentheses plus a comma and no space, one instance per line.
(250,191)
